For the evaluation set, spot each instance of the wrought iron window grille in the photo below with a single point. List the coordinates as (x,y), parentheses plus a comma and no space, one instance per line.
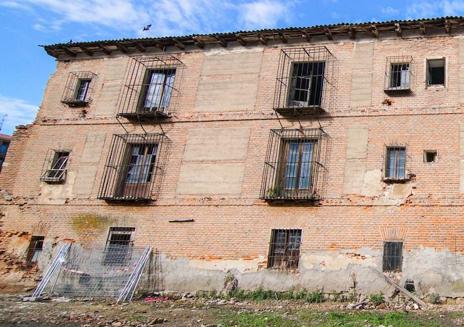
(133,167)
(78,89)
(294,167)
(399,74)
(305,80)
(392,256)
(55,166)
(284,249)
(151,88)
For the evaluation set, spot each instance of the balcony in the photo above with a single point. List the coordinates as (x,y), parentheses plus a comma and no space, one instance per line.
(133,168)
(305,82)
(151,88)
(294,169)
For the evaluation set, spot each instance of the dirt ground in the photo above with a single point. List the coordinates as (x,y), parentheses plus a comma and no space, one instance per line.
(206,312)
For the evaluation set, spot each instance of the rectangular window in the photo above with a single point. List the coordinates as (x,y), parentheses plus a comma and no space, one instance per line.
(436,71)
(399,76)
(284,250)
(82,89)
(58,167)
(118,245)
(306,84)
(395,166)
(297,162)
(392,256)
(35,249)
(158,89)
(430,156)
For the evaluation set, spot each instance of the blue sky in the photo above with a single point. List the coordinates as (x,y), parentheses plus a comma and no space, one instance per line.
(24,24)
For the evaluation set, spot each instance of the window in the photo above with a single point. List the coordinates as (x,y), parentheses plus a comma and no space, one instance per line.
(35,249)
(297,164)
(132,167)
(57,170)
(395,166)
(158,89)
(118,245)
(392,256)
(284,250)
(436,71)
(82,89)
(430,156)
(4,149)
(307,81)
(399,76)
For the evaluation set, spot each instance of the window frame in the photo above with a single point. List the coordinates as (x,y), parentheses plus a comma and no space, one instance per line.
(79,83)
(52,174)
(141,108)
(33,252)
(126,252)
(398,73)
(291,89)
(395,177)
(394,266)
(425,156)
(288,261)
(427,72)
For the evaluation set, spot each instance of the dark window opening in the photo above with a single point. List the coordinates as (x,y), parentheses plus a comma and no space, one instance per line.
(82,90)
(296,164)
(157,89)
(436,72)
(400,76)
(35,249)
(392,256)
(430,156)
(395,166)
(306,84)
(284,250)
(118,245)
(57,171)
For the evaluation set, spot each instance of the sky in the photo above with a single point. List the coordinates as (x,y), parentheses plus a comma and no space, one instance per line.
(26,24)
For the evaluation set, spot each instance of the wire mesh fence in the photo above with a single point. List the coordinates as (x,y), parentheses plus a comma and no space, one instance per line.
(100,272)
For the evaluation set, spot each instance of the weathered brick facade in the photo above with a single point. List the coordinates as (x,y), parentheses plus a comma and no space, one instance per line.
(213,166)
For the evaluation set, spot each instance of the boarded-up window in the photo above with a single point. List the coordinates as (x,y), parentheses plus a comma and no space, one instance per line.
(392,256)
(284,250)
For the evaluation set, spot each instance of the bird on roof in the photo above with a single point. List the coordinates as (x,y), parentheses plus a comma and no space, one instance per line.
(147,27)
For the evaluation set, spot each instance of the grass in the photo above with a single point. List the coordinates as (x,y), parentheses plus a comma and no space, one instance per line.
(328,319)
(262,294)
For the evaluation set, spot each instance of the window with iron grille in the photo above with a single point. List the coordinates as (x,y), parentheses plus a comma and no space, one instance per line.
(132,167)
(118,245)
(305,80)
(56,167)
(392,256)
(395,163)
(293,165)
(284,250)
(398,74)
(151,89)
(35,249)
(78,89)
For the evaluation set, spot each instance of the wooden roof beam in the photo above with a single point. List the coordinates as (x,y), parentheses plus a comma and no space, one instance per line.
(221,41)
(104,49)
(422,27)
(86,51)
(241,40)
(352,33)
(447,26)
(328,34)
(69,52)
(178,44)
(373,29)
(398,30)
(283,38)
(198,42)
(139,47)
(122,48)
(307,36)
(262,39)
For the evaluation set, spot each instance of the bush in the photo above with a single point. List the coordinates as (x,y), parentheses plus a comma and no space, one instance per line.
(434,298)
(377,299)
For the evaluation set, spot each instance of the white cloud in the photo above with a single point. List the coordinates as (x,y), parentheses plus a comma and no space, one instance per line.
(168,17)
(263,13)
(17,112)
(389,11)
(436,8)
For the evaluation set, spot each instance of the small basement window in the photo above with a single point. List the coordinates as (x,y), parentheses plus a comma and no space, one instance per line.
(35,249)
(284,250)
(436,71)
(392,256)
(430,156)
(118,245)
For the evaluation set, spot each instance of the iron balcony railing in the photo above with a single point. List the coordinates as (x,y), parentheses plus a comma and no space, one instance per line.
(294,168)
(151,88)
(305,81)
(133,168)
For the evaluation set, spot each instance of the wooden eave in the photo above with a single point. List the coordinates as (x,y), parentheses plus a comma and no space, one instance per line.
(246,38)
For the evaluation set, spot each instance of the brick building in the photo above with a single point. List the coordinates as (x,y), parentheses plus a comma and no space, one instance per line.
(293,158)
